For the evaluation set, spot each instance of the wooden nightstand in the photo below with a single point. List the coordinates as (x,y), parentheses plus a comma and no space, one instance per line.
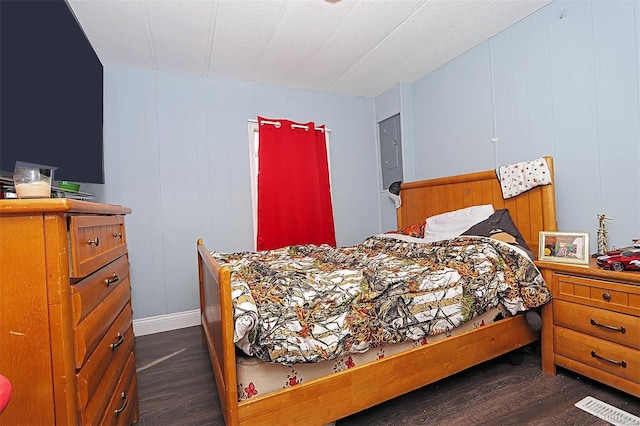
(592,325)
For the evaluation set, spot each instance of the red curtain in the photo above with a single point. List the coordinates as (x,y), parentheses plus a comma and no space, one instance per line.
(294,194)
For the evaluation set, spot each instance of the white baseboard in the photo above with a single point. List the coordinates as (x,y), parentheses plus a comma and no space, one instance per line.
(160,323)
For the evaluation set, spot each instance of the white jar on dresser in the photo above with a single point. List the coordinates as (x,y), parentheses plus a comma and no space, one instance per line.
(66,326)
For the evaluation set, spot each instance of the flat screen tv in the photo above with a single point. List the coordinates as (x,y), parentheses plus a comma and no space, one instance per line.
(50,91)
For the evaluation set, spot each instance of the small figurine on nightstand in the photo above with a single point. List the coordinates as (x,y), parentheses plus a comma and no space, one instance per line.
(602,234)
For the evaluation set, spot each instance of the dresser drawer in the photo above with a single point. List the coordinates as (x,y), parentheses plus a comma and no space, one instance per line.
(601,354)
(112,352)
(613,326)
(122,407)
(599,293)
(90,331)
(95,241)
(109,396)
(89,292)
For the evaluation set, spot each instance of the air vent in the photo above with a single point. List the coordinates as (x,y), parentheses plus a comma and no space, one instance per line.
(608,413)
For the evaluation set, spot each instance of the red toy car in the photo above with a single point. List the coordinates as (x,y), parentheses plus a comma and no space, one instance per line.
(619,260)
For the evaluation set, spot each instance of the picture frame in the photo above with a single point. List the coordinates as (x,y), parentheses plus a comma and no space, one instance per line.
(564,247)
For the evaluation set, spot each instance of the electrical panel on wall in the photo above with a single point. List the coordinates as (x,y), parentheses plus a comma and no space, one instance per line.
(390,150)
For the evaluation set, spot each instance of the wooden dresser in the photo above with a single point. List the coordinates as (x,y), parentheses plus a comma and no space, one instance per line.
(66,327)
(592,325)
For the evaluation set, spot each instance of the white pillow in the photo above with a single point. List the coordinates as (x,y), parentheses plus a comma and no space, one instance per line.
(452,224)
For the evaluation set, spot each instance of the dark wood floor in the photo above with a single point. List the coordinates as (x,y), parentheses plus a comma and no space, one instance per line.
(176,387)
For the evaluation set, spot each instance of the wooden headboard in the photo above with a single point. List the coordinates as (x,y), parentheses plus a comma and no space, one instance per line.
(532,211)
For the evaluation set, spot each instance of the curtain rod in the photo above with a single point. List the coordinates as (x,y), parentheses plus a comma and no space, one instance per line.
(293,126)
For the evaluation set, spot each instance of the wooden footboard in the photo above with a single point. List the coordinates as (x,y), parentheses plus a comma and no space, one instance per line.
(329,398)
(216,312)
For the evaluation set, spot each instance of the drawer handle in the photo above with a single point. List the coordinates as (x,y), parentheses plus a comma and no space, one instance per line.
(114,279)
(123,395)
(120,340)
(117,235)
(608,327)
(606,296)
(622,363)
(95,241)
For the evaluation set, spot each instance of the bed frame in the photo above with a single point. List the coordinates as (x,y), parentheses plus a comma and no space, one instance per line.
(326,399)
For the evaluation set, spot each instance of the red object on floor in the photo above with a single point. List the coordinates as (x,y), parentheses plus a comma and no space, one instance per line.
(5,392)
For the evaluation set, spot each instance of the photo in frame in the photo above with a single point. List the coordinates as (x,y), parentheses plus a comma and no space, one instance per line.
(564,247)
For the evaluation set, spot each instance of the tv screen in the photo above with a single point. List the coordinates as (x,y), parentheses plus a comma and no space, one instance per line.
(50,91)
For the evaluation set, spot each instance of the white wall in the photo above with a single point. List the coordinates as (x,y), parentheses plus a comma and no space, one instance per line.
(176,152)
(563,82)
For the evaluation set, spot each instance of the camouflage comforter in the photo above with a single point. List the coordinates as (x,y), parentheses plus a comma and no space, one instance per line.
(312,303)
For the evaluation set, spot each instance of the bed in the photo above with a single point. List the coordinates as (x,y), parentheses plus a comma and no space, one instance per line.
(328,398)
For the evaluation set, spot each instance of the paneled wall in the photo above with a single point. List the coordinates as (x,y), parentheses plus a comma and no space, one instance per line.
(176,152)
(563,82)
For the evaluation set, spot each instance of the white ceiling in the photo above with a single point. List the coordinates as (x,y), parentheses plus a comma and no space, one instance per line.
(351,47)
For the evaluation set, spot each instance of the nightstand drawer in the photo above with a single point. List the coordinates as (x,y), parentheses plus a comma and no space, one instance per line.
(598,353)
(599,293)
(95,242)
(613,326)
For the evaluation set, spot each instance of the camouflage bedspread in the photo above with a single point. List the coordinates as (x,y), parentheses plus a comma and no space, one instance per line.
(312,303)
